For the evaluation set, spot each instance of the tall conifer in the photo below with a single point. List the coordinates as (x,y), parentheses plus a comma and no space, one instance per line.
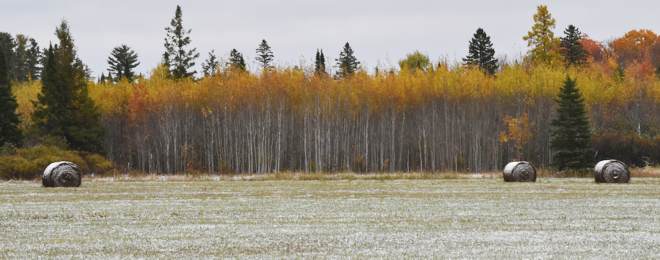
(210,66)
(319,63)
(236,61)
(9,120)
(7,46)
(481,53)
(347,64)
(571,47)
(34,60)
(178,57)
(571,134)
(63,108)
(122,62)
(265,56)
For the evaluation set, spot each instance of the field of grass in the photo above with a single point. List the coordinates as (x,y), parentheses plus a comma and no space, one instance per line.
(456,218)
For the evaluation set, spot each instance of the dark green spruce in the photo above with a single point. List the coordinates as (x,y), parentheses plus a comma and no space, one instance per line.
(236,61)
(571,133)
(571,47)
(10,134)
(319,63)
(64,109)
(481,53)
(21,70)
(22,57)
(34,60)
(347,64)
(7,47)
(102,79)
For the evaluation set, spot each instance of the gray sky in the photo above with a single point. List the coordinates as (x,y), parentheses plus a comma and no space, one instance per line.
(380,31)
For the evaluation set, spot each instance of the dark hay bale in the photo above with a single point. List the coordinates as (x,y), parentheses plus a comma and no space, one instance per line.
(519,172)
(62,174)
(611,171)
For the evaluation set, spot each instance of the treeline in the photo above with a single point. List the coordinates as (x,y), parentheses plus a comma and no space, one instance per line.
(411,121)
(475,116)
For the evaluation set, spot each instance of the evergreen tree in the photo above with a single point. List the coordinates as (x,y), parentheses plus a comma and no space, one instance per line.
(26,57)
(7,46)
(542,39)
(574,53)
(265,56)
(571,134)
(319,63)
(177,57)
(481,53)
(415,61)
(122,62)
(64,108)
(236,61)
(21,70)
(210,66)
(102,79)
(347,63)
(34,60)
(108,78)
(9,120)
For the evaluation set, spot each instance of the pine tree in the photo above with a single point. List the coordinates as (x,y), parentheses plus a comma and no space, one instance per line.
(7,46)
(574,53)
(347,63)
(64,108)
(21,70)
(34,60)
(265,56)
(481,53)
(542,39)
(236,61)
(102,79)
(26,57)
(177,57)
(319,63)
(122,62)
(571,134)
(109,78)
(210,66)
(9,120)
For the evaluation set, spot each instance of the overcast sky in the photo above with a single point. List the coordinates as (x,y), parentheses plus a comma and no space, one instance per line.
(380,31)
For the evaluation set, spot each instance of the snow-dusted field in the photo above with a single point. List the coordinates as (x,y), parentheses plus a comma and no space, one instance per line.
(484,218)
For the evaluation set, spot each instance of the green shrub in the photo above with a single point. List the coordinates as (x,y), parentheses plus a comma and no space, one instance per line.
(97,163)
(29,163)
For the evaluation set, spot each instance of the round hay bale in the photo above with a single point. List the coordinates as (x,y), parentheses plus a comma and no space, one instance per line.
(62,174)
(611,171)
(519,172)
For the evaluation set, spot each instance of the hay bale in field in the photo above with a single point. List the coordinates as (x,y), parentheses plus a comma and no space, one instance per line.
(62,174)
(611,171)
(519,172)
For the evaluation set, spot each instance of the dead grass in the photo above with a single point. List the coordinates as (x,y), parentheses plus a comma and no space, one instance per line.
(299,176)
(646,172)
(366,176)
(549,173)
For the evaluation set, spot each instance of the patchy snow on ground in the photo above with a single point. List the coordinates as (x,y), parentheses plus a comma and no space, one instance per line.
(465,218)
